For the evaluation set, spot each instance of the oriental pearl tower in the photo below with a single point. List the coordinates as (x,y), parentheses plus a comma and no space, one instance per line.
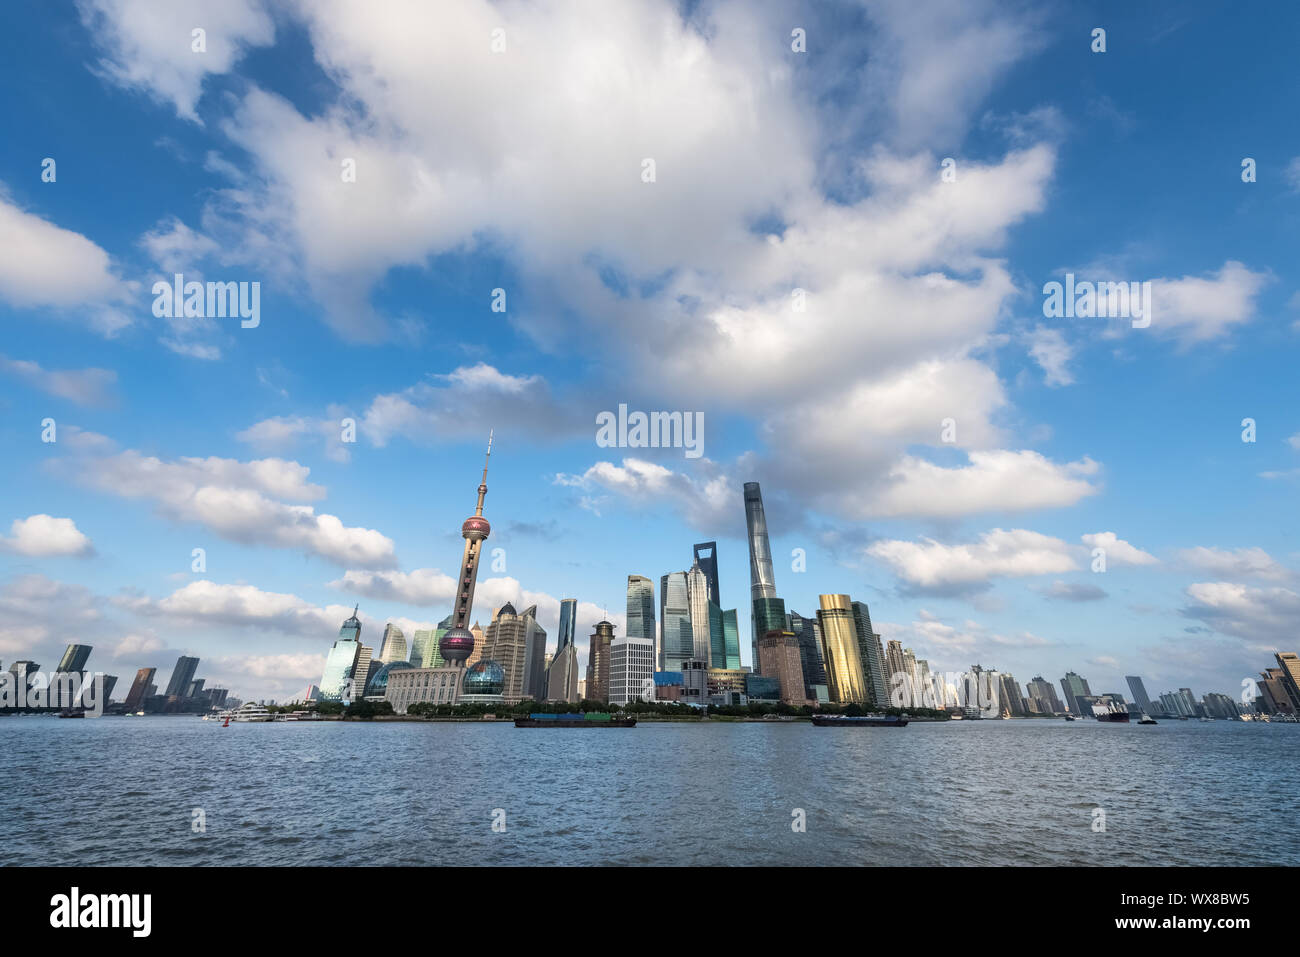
(458,643)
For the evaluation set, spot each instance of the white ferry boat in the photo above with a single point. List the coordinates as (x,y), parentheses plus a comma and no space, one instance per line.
(251,712)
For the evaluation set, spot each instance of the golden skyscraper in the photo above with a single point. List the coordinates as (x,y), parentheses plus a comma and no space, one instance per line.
(844,675)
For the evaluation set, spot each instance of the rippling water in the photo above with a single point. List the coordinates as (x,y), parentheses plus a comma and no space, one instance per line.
(123,791)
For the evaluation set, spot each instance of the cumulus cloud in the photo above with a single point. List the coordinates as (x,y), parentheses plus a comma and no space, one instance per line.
(248,502)
(1199,308)
(43,536)
(1013,553)
(1118,551)
(46,266)
(1263,617)
(149,46)
(240,606)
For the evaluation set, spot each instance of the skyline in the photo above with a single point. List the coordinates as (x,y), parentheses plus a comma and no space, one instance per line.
(776,173)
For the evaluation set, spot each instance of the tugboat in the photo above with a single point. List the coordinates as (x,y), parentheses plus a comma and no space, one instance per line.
(1147,719)
(864,721)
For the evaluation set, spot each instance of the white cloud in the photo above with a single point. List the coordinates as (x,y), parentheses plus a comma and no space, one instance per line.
(1235,563)
(1050,350)
(1118,551)
(1198,308)
(149,46)
(242,606)
(993,481)
(248,502)
(1263,617)
(43,536)
(47,266)
(999,553)
(93,387)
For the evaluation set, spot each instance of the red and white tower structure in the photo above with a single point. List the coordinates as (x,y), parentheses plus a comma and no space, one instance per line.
(458,643)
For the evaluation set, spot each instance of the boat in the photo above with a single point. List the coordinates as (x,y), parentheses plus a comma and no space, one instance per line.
(1111,716)
(1147,719)
(72,714)
(863,721)
(251,712)
(1070,717)
(592,719)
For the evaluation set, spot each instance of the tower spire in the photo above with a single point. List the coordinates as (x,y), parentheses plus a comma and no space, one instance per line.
(482,487)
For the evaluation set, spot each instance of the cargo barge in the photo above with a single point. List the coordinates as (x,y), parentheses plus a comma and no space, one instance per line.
(866,721)
(594,719)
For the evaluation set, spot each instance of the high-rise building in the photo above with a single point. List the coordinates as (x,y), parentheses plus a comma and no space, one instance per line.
(677,643)
(1289,664)
(393,647)
(706,556)
(182,675)
(778,652)
(1138,691)
(534,656)
(74,658)
(458,642)
(640,608)
(808,633)
(697,591)
(562,675)
(1273,695)
(361,674)
(568,623)
(424,647)
(871,656)
(598,660)
(139,689)
(731,638)
(476,632)
(896,671)
(631,669)
(505,641)
(341,665)
(845,680)
(1043,693)
(762,580)
(1074,687)
(1011,696)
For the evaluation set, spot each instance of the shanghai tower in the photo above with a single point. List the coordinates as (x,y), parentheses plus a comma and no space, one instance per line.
(768,611)
(458,643)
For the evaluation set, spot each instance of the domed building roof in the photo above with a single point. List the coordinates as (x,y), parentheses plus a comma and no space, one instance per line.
(507,609)
(377,684)
(484,678)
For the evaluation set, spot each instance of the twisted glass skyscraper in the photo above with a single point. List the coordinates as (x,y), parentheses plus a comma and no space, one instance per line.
(762,582)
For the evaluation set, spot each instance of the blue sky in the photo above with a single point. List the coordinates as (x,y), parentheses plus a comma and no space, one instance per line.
(775,170)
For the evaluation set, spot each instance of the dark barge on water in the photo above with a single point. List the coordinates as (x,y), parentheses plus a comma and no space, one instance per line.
(592,719)
(865,721)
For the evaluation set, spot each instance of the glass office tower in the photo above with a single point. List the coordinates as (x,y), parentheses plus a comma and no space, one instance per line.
(845,679)
(731,639)
(762,581)
(640,607)
(340,666)
(678,642)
